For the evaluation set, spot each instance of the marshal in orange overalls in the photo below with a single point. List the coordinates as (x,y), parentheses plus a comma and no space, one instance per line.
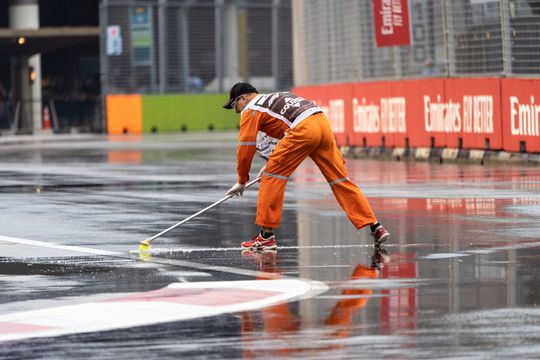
(304,131)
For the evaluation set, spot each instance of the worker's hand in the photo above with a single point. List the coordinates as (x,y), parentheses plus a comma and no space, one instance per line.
(237,189)
(261,172)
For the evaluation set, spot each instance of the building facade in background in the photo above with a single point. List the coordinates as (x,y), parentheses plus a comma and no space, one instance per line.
(49,66)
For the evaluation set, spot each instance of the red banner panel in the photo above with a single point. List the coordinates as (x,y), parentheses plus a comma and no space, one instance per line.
(389,114)
(340,111)
(424,101)
(335,101)
(396,113)
(521,113)
(391,22)
(367,123)
(475,106)
(483,113)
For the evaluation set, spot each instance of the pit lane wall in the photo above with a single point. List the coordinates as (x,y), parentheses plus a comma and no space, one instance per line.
(464,113)
(136,114)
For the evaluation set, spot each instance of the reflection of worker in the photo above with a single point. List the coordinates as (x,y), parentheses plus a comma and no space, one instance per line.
(278,320)
(355,298)
(304,131)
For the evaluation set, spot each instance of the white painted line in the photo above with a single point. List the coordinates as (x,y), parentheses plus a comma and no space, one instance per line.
(58,247)
(176,302)
(154,260)
(383,284)
(483,251)
(437,256)
(516,246)
(157,251)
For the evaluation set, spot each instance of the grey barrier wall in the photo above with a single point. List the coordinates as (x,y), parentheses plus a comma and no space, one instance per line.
(335,41)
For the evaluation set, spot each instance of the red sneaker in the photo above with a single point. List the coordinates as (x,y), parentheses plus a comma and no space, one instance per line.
(260,243)
(380,235)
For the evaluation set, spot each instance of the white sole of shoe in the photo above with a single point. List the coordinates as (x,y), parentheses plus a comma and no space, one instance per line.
(383,239)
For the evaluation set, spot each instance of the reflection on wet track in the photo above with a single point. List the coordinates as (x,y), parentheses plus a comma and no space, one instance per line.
(458,278)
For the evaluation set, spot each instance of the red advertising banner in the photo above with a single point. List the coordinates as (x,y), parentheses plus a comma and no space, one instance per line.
(391,22)
(367,123)
(339,111)
(476,105)
(481,113)
(424,123)
(396,113)
(334,100)
(521,115)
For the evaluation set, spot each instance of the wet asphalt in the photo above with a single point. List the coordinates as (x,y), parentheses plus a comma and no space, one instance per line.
(457,280)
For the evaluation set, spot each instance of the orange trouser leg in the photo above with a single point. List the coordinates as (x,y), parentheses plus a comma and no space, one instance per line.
(312,137)
(270,202)
(289,153)
(332,165)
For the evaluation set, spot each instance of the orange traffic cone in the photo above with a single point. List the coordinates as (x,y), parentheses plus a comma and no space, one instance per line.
(46,118)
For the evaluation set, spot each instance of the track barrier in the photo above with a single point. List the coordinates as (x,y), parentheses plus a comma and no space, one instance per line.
(489,114)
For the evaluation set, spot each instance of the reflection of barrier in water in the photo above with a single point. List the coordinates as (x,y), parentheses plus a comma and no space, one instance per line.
(398,306)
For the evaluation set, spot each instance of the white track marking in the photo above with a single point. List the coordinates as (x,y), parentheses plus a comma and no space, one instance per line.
(483,251)
(154,260)
(158,251)
(83,250)
(176,302)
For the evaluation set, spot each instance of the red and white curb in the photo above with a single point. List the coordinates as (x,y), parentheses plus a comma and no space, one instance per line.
(176,302)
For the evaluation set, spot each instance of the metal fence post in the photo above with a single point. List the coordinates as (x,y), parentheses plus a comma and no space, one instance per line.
(162,45)
(219,42)
(275,44)
(398,62)
(448,30)
(505,38)
(153,65)
(104,65)
(184,36)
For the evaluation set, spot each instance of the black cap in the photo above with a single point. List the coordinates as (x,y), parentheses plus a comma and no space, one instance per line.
(238,89)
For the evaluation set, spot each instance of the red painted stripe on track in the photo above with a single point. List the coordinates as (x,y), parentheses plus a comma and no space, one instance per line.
(13,328)
(201,297)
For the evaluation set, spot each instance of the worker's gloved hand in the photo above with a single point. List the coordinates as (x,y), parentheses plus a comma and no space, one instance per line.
(237,189)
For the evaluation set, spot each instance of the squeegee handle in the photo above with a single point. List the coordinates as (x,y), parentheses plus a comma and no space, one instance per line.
(202,211)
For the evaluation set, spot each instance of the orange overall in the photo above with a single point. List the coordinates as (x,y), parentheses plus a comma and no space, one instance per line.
(311,136)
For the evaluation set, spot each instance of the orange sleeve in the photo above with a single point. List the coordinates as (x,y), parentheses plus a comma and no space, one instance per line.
(247,141)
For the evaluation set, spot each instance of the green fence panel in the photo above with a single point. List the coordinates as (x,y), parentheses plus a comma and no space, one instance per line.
(168,113)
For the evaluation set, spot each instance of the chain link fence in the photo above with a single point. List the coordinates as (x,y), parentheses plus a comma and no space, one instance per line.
(335,40)
(170,46)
